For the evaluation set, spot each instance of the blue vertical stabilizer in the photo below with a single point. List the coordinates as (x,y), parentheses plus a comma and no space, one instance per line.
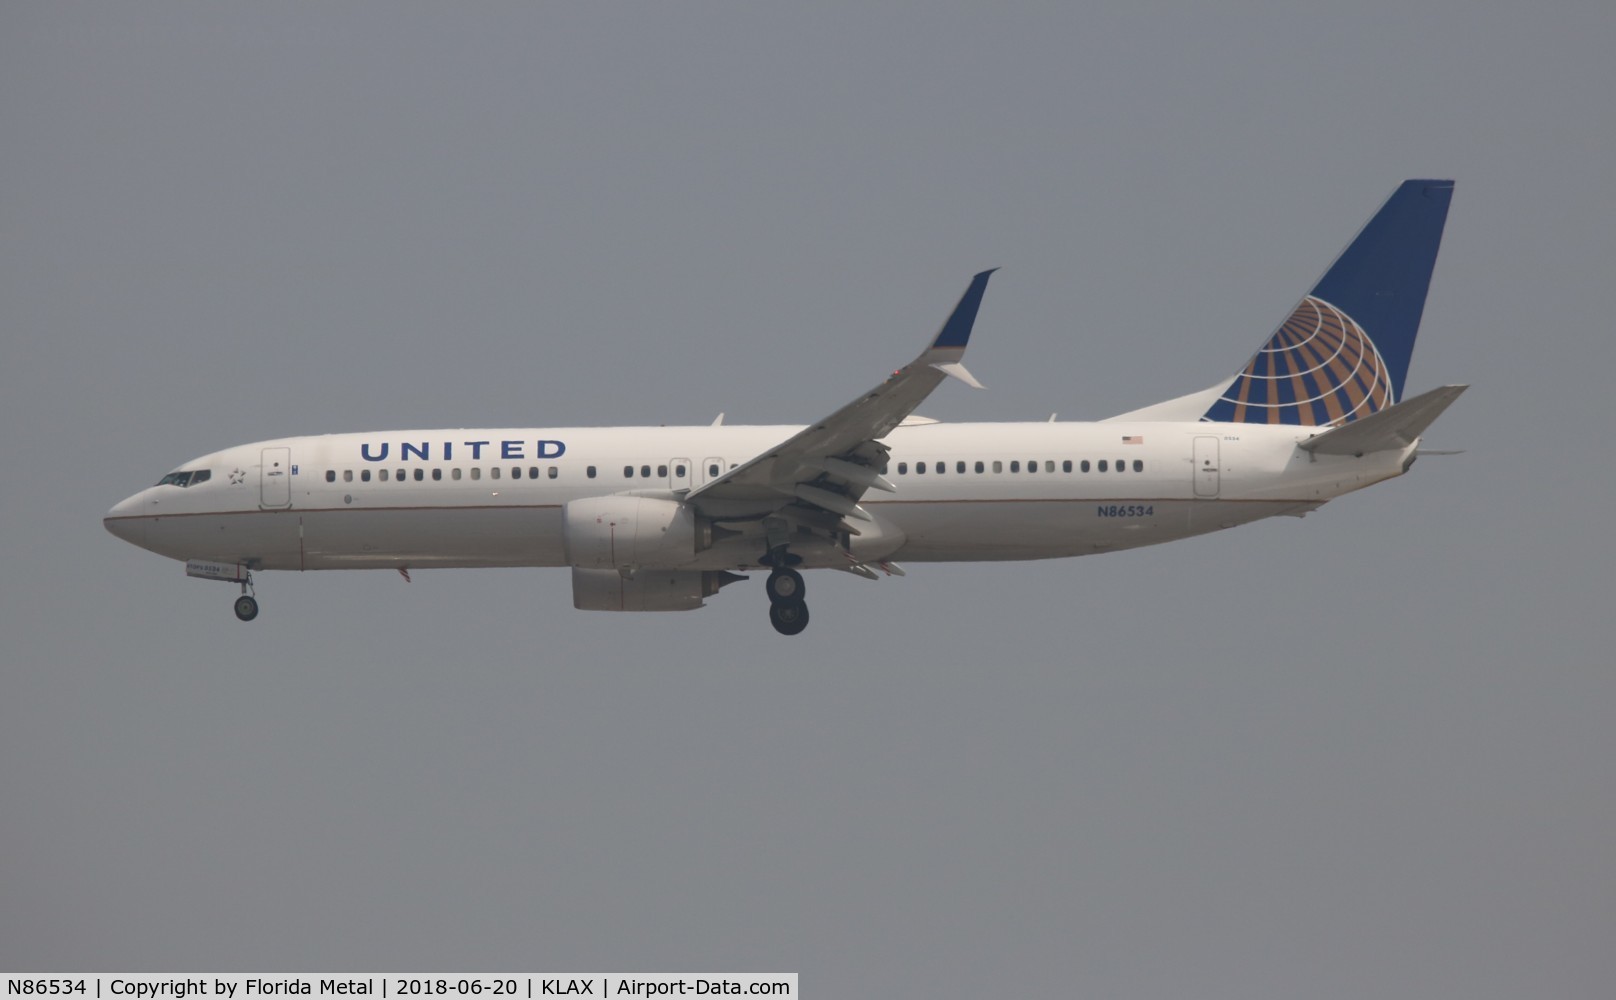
(1343,352)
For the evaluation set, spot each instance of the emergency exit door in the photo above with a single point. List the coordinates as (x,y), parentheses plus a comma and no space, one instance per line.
(678,473)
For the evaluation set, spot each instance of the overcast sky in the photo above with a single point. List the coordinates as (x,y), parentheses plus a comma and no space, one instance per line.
(1369,753)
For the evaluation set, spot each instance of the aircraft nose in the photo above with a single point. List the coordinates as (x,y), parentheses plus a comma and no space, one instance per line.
(122,521)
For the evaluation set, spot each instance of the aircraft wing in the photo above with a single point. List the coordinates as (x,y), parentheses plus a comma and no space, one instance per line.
(829,465)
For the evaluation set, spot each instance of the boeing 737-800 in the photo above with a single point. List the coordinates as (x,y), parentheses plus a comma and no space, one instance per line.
(661,518)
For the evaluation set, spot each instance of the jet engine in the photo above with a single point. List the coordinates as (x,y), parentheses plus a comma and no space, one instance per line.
(618,532)
(646,589)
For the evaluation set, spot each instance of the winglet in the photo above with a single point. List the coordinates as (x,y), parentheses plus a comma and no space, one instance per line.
(957,330)
(954,369)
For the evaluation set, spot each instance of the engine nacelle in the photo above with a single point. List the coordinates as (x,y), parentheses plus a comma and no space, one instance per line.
(645,590)
(616,532)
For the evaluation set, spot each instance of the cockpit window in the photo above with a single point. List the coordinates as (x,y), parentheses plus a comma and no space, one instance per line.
(186,478)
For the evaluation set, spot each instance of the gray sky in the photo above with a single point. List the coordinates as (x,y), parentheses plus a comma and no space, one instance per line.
(1368,753)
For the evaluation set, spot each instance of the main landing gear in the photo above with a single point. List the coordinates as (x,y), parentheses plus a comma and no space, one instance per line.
(789,618)
(787,612)
(785,586)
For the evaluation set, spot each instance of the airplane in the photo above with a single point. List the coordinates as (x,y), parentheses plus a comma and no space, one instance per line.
(662,518)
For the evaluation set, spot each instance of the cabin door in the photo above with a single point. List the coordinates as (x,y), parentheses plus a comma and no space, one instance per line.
(275,478)
(1206,466)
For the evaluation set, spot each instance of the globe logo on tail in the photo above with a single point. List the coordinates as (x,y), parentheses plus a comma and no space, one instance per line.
(1319,369)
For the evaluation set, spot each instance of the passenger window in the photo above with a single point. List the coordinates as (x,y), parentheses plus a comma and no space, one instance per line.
(1102,465)
(1015,466)
(662,472)
(1032,466)
(920,468)
(590,472)
(331,475)
(1138,465)
(679,471)
(364,476)
(401,476)
(712,471)
(347,475)
(454,474)
(1049,465)
(942,467)
(645,471)
(1122,465)
(998,466)
(980,468)
(1085,465)
(628,472)
(903,468)
(554,472)
(437,475)
(382,475)
(1066,466)
(492,473)
(420,475)
(476,472)
(959,467)
(533,472)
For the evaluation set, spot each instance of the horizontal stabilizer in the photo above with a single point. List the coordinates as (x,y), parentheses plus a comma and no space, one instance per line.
(1393,428)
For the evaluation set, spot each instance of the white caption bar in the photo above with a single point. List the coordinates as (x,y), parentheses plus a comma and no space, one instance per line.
(394,986)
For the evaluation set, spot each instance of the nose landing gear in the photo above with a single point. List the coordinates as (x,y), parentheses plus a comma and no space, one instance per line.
(246,604)
(237,572)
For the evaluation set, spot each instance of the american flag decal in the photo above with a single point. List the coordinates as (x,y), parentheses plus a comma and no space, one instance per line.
(1132,439)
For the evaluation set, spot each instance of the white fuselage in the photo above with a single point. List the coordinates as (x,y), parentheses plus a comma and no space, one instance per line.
(495,497)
